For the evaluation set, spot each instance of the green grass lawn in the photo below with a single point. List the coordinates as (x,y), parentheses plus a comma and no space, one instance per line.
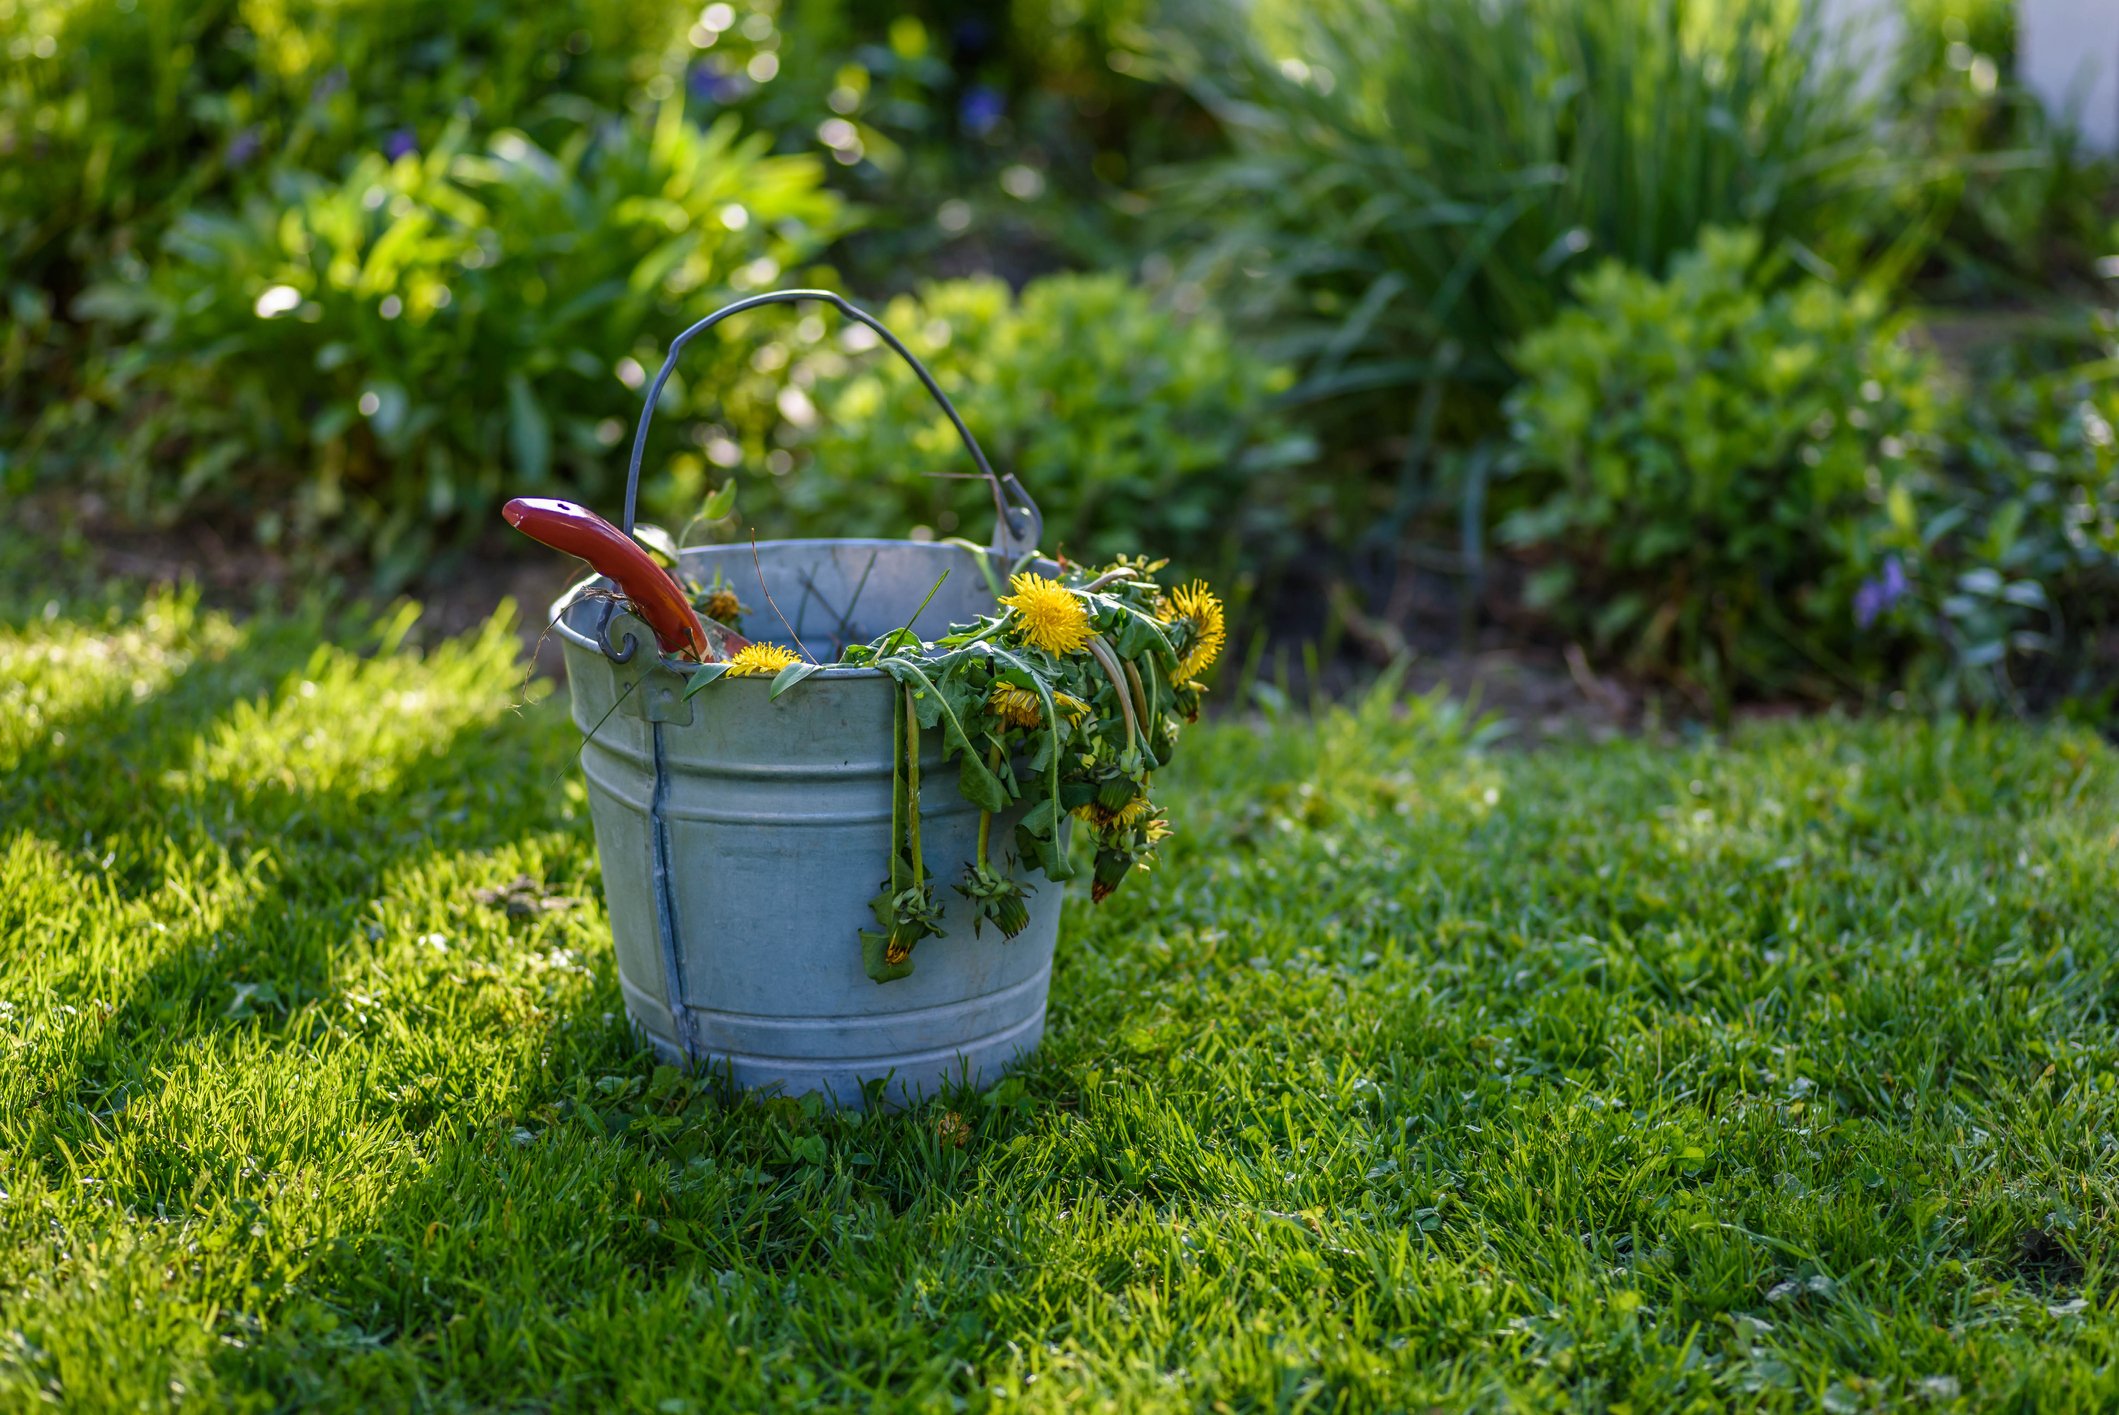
(1776,1072)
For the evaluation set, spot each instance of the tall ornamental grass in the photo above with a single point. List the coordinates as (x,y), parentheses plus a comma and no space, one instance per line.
(1415,184)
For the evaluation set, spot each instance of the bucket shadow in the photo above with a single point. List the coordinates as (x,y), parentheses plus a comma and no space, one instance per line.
(607,1200)
(591,1189)
(239,884)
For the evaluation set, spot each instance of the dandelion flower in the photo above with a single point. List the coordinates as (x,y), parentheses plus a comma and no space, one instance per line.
(1124,818)
(1197,604)
(760,661)
(1048,615)
(723,605)
(1019,707)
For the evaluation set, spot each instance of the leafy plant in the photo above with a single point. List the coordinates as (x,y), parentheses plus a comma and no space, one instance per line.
(2002,565)
(1415,180)
(1002,133)
(1701,462)
(116,113)
(2025,202)
(1127,423)
(365,363)
(1754,493)
(117,117)
(1062,703)
(98,123)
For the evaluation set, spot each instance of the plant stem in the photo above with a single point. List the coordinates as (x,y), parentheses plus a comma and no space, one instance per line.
(1117,572)
(1109,660)
(931,592)
(897,799)
(1140,696)
(1052,763)
(993,764)
(912,789)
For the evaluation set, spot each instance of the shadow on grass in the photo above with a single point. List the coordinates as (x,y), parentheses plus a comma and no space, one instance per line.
(591,1257)
(582,1196)
(226,886)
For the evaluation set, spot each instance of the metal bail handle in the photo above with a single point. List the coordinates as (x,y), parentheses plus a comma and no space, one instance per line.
(1018,525)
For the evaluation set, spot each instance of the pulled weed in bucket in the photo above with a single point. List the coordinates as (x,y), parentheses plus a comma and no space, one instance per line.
(1063,702)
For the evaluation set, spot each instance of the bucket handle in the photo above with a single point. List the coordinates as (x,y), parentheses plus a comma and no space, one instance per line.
(1018,524)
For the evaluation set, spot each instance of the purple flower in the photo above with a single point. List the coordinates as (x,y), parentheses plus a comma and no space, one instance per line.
(329,85)
(981,111)
(1895,585)
(1875,596)
(402,143)
(707,84)
(244,146)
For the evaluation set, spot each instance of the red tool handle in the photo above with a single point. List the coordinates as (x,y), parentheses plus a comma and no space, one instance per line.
(656,597)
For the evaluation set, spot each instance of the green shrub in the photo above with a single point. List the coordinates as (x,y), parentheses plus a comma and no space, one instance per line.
(105,111)
(2024,202)
(372,363)
(1754,493)
(115,113)
(1705,463)
(2002,573)
(1415,180)
(1137,431)
(1003,128)
(116,116)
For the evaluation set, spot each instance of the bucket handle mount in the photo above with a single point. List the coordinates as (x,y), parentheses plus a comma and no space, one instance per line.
(1018,525)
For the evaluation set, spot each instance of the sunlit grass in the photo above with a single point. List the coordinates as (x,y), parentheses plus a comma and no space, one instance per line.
(1773,1073)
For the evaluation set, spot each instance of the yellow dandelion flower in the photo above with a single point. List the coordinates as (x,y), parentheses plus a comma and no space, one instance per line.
(1018,707)
(723,605)
(1210,630)
(760,661)
(1124,818)
(1048,615)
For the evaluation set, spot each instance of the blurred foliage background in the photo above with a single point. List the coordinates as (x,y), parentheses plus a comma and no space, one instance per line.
(1752,360)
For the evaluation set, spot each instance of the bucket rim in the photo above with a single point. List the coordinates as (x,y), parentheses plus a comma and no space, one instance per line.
(556,617)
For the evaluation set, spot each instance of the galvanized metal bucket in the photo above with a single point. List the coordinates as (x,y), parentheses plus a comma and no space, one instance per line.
(742,836)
